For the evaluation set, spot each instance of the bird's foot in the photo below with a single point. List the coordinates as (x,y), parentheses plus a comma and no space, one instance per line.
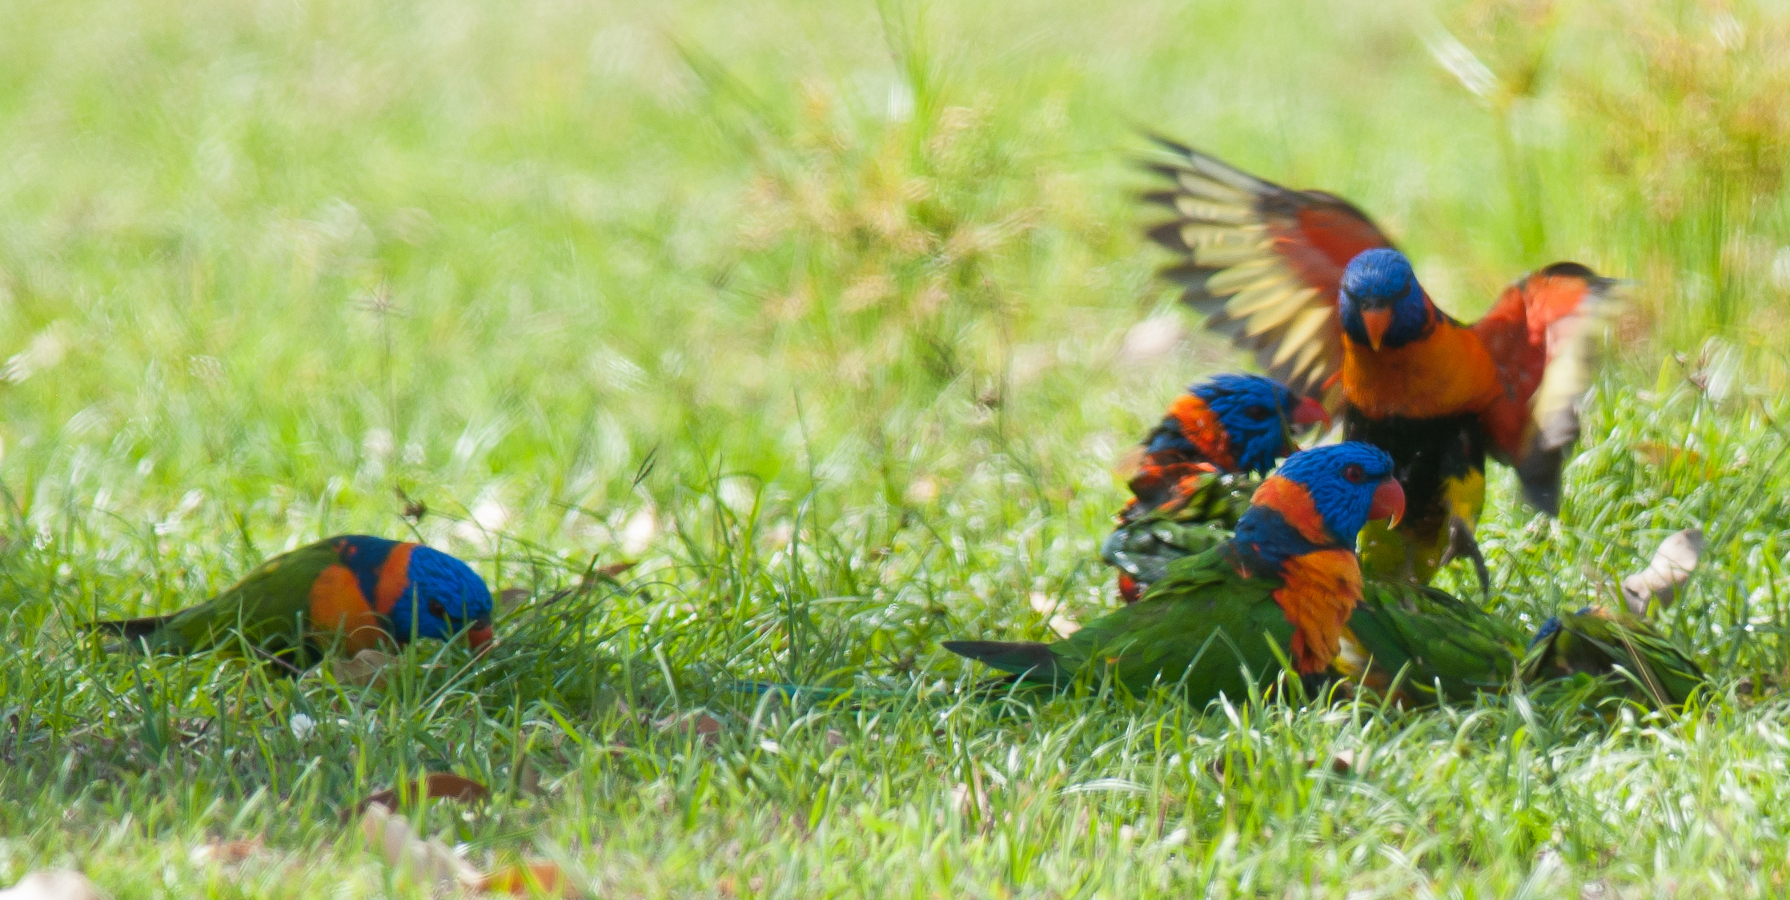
(1462,545)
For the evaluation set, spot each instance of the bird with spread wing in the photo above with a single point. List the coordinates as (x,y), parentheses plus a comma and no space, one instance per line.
(1331,308)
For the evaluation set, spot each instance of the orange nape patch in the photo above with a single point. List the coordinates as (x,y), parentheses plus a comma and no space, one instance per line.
(1294,503)
(394,578)
(339,607)
(1200,425)
(1319,592)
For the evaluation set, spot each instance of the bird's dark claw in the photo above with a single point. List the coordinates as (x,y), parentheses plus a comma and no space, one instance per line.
(1461,545)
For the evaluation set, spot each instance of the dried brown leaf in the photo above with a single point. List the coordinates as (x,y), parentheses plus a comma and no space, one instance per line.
(434,786)
(527,879)
(1670,568)
(226,852)
(363,669)
(429,861)
(707,727)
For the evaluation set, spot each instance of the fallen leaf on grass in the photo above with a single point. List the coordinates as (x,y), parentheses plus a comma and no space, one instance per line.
(435,786)
(1151,339)
(225,852)
(362,669)
(434,863)
(1678,460)
(53,884)
(616,568)
(1060,622)
(428,861)
(509,597)
(729,887)
(708,728)
(527,879)
(1671,567)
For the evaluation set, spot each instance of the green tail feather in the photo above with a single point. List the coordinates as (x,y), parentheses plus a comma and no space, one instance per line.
(1029,660)
(148,633)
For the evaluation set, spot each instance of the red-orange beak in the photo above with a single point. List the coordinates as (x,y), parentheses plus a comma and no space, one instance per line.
(1389,502)
(1310,411)
(1376,321)
(480,633)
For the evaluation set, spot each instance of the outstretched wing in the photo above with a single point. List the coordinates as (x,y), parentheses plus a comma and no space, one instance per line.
(1545,336)
(1261,261)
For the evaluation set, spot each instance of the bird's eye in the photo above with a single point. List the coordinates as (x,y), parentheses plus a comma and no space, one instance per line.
(440,612)
(1257,413)
(1354,473)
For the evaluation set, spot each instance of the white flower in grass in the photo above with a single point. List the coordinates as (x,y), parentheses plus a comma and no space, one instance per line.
(637,534)
(302,726)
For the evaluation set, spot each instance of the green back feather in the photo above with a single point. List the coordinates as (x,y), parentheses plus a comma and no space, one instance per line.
(1436,640)
(1199,625)
(270,607)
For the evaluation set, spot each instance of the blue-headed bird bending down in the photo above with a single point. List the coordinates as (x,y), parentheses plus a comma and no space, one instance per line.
(1282,588)
(346,593)
(1196,470)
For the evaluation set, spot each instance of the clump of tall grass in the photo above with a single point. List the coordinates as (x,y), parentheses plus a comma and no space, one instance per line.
(1675,138)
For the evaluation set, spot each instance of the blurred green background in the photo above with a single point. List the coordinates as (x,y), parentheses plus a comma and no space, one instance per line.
(290,256)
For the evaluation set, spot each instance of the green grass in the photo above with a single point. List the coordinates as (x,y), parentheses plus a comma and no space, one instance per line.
(821,312)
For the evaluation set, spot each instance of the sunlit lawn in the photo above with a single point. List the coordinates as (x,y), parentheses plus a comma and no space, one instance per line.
(834,318)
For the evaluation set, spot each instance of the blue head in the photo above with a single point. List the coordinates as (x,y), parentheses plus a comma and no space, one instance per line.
(442,597)
(1257,414)
(1318,500)
(1381,303)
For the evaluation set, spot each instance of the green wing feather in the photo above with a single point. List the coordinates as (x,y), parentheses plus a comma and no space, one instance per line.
(1199,626)
(1145,546)
(1436,641)
(1594,641)
(269,607)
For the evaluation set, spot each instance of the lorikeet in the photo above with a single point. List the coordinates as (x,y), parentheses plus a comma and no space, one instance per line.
(1594,640)
(1280,589)
(1308,282)
(349,592)
(1413,642)
(1202,463)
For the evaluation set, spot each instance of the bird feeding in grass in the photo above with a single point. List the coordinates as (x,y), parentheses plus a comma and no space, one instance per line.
(1279,592)
(345,594)
(1198,467)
